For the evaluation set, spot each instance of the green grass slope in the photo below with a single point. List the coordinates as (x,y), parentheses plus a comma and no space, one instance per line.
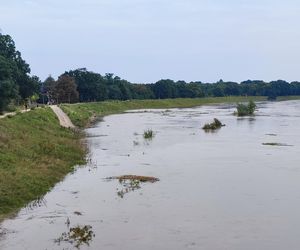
(35,153)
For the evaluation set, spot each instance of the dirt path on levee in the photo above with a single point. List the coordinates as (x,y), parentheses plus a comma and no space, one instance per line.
(13,113)
(64,120)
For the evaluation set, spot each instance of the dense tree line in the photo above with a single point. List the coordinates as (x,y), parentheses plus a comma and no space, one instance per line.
(81,85)
(95,87)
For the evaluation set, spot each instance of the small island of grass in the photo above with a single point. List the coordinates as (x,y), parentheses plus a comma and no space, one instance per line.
(216,124)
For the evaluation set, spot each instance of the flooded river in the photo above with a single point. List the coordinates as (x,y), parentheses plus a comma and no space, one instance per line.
(217,191)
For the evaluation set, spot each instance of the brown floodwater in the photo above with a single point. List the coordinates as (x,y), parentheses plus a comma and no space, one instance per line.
(237,188)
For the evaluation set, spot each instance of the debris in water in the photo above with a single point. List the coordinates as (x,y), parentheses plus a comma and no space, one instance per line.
(77,236)
(271,134)
(131,182)
(136,177)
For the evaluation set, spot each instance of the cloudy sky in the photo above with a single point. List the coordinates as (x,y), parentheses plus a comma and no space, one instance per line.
(146,40)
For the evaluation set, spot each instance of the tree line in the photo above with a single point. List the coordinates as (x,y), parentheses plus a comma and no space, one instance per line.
(81,85)
(18,87)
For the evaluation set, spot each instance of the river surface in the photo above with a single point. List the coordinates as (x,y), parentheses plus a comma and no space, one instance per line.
(217,191)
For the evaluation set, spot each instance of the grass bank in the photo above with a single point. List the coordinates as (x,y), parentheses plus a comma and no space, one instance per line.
(81,113)
(35,154)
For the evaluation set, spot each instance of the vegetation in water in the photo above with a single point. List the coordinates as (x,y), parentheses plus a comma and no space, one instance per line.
(245,110)
(148,134)
(216,124)
(77,236)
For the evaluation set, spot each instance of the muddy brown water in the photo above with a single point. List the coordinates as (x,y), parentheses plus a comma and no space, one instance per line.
(222,190)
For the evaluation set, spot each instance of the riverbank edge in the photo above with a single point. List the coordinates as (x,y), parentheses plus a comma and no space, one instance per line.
(82,115)
(36,153)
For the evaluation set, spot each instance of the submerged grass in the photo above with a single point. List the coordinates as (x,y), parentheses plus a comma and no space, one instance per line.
(35,153)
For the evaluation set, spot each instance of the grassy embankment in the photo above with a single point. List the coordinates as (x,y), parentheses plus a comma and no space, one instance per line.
(35,154)
(82,113)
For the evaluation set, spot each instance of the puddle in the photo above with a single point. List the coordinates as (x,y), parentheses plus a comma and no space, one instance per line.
(219,190)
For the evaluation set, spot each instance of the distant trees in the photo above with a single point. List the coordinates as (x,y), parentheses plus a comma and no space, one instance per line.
(95,87)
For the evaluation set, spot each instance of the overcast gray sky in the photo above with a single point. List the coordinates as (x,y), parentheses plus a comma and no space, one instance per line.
(146,40)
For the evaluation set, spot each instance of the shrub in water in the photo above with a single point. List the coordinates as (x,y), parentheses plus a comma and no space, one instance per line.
(243,109)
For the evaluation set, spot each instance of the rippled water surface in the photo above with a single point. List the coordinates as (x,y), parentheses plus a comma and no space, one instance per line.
(222,190)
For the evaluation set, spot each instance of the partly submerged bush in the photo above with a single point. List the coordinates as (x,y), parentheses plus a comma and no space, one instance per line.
(243,109)
(148,134)
(216,124)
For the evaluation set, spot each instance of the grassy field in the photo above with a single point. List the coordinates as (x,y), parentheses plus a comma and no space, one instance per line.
(35,154)
(82,113)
